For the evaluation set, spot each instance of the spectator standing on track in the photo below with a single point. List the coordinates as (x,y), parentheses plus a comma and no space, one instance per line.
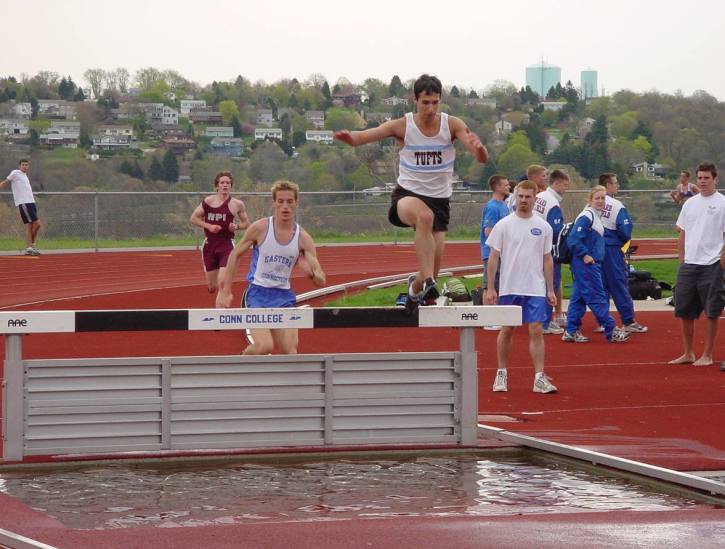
(548,207)
(684,189)
(494,211)
(421,199)
(700,285)
(277,243)
(615,271)
(535,173)
(586,242)
(522,242)
(24,200)
(216,215)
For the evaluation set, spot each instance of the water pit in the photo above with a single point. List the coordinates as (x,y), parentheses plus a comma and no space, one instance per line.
(281,489)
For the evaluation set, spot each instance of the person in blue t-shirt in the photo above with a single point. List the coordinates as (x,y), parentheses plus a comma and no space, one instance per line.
(494,211)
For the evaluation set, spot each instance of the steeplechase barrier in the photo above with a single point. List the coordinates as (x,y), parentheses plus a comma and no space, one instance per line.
(61,407)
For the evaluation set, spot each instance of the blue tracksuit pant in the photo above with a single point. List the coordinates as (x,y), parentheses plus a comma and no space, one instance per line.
(614,276)
(588,291)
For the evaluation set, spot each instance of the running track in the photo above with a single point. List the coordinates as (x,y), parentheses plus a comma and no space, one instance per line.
(621,399)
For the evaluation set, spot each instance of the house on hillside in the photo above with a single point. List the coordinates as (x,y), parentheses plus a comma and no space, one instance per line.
(110,129)
(555,106)
(265,117)
(489,102)
(323,137)
(59,140)
(188,105)
(22,110)
(502,127)
(650,171)
(347,99)
(205,117)
(219,131)
(263,133)
(57,108)
(226,146)
(65,126)
(316,118)
(178,145)
(395,101)
(14,128)
(111,142)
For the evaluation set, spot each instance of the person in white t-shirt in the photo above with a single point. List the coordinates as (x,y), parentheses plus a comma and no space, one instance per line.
(700,285)
(522,242)
(23,196)
(421,199)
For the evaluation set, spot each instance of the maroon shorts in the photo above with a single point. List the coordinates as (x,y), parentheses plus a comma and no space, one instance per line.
(215,253)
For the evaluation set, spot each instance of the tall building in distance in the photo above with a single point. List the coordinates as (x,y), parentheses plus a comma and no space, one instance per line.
(542,77)
(589,84)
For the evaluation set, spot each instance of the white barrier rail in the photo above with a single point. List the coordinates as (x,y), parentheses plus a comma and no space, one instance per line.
(111,406)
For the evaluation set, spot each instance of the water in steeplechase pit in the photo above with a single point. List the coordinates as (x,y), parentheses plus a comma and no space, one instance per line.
(233,492)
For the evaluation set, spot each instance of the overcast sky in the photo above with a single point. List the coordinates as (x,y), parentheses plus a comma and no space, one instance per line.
(633,44)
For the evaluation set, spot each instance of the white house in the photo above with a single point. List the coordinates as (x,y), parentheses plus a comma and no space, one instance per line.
(323,137)
(169,116)
(23,110)
(555,106)
(652,171)
(393,101)
(263,133)
(188,105)
(55,140)
(14,128)
(265,117)
(503,127)
(116,130)
(56,108)
(111,142)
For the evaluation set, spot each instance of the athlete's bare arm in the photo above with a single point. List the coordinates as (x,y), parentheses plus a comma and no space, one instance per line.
(307,247)
(392,128)
(256,231)
(237,208)
(197,218)
(470,140)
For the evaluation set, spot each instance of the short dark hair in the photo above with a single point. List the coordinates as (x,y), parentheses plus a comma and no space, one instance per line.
(686,172)
(223,174)
(558,175)
(427,84)
(707,167)
(23,160)
(494,180)
(606,178)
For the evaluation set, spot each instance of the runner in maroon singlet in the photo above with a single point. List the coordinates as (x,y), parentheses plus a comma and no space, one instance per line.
(216,215)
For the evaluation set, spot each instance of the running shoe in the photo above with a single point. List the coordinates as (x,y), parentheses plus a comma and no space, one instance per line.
(635,328)
(620,335)
(553,328)
(576,337)
(430,292)
(599,330)
(412,300)
(500,384)
(542,384)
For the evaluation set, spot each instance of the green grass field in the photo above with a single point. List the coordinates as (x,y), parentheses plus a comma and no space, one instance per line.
(661,269)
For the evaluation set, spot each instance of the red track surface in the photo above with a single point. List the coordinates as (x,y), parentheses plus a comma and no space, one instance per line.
(619,399)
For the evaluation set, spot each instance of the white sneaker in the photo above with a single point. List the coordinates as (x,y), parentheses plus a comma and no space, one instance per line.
(500,384)
(619,335)
(635,328)
(553,328)
(599,330)
(576,337)
(543,385)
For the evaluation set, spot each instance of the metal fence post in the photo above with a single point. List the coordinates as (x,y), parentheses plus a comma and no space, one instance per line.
(95,220)
(469,386)
(13,399)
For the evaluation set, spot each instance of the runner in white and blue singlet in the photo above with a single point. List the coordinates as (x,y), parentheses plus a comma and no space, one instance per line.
(277,244)
(421,199)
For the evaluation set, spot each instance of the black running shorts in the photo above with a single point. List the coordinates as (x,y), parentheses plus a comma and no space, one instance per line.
(441,208)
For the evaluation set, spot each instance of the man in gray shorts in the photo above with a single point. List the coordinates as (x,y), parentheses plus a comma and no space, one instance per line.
(700,283)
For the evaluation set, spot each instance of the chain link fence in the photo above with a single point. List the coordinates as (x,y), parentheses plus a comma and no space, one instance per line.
(96,220)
